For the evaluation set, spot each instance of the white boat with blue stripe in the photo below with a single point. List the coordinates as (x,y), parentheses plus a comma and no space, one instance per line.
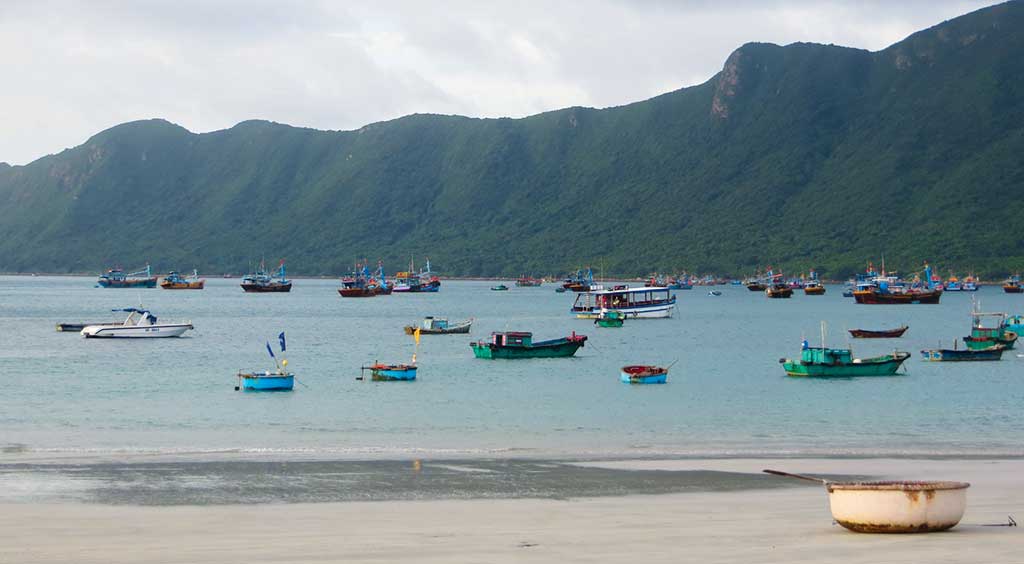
(643,303)
(140,323)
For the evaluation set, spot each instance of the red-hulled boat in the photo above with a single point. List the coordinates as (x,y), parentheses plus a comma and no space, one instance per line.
(882,334)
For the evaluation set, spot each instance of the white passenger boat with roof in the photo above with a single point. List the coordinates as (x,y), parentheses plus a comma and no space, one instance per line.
(647,302)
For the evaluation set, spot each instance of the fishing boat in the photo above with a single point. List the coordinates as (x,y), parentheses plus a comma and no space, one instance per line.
(499,288)
(560,290)
(643,374)
(756,286)
(890,289)
(879,334)
(825,362)
(439,326)
(714,292)
(779,290)
(839,363)
(632,302)
(262,281)
(1014,323)
(610,318)
(117,278)
(955,354)
(528,281)
(1012,285)
(952,284)
(581,281)
(519,344)
(280,380)
(985,335)
(813,286)
(362,284)
(380,372)
(970,284)
(175,281)
(411,281)
(140,324)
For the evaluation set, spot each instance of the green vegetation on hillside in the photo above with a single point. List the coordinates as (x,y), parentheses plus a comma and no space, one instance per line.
(798,156)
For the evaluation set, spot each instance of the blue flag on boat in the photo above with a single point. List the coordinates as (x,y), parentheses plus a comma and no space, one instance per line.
(270,350)
(280,337)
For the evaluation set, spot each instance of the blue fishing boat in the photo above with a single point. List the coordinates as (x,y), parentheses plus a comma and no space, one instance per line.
(391,372)
(643,374)
(1014,323)
(117,278)
(262,281)
(278,380)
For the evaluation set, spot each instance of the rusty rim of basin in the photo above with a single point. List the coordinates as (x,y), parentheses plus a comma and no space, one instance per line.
(898,485)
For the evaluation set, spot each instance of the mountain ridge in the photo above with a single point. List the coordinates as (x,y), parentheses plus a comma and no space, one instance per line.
(802,155)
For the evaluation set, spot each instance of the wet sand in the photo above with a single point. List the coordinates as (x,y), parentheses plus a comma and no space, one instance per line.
(779,525)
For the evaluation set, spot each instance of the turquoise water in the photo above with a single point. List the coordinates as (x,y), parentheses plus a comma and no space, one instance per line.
(68,397)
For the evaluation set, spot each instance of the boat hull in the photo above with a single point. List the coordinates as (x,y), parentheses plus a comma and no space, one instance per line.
(461,329)
(897,507)
(659,311)
(182,285)
(879,298)
(884,334)
(140,283)
(254,382)
(393,373)
(963,355)
(880,366)
(558,348)
(266,288)
(814,290)
(643,375)
(135,332)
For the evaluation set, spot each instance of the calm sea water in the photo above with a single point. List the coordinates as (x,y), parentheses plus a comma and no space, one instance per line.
(70,398)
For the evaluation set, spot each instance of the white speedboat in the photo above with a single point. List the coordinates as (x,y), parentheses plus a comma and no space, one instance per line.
(139,324)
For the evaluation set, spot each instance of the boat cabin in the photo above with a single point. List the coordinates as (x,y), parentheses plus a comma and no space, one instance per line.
(819,355)
(512,338)
(435,323)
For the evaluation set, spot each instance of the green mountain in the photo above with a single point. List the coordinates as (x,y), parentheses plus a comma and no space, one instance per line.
(798,156)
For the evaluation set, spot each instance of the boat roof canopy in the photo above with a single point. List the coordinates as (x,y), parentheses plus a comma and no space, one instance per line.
(631,290)
(132,310)
(513,333)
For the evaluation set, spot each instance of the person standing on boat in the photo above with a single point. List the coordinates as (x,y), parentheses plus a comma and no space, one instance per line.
(805,345)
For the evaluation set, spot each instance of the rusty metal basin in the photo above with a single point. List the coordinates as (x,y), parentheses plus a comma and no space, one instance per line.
(897,507)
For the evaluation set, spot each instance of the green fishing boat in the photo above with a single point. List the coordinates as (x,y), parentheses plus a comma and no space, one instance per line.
(519,344)
(610,318)
(983,338)
(824,362)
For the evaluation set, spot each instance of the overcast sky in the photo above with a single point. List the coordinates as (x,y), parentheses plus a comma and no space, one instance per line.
(72,69)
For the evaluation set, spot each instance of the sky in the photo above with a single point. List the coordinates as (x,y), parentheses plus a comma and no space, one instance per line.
(72,69)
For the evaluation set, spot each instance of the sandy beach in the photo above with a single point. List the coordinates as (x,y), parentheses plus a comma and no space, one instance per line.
(784,525)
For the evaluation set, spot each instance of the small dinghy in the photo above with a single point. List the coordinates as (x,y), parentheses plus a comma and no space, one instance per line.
(380,372)
(279,380)
(610,318)
(644,374)
(140,323)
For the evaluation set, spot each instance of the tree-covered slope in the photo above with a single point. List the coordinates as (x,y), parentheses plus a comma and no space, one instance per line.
(799,156)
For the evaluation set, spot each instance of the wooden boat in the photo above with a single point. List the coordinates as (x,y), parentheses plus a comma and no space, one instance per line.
(528,282)
(641,374)
(261,281)
(839,363)
(1012,285)
(890,289)
(391,372)
(174,281)
(362,284)
(517,344)
(117,278)
(879,334)
(439,326)
(983,337)
(779,291)
(961,355)
(140,324)
(581,281)
(610,318)
(635,303)
(499,288)
(757,286)
(267,381)
(412,282)
(814,288)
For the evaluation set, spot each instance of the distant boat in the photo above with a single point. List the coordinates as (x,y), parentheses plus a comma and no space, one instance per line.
(362,284)
(279,380)
(391,372)
(140,324)
(581,281)
(499,288)
(518,344)
(560,290)
(878,334)
(439,326)
(117,278)
(412,282)
(261,281)
(610,318)
(962,355)
(715,293)
(814,287)
(641,374)
(633,302)
(174,281)
(1012,285)
(779,290)
(529,281)
(891,290)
